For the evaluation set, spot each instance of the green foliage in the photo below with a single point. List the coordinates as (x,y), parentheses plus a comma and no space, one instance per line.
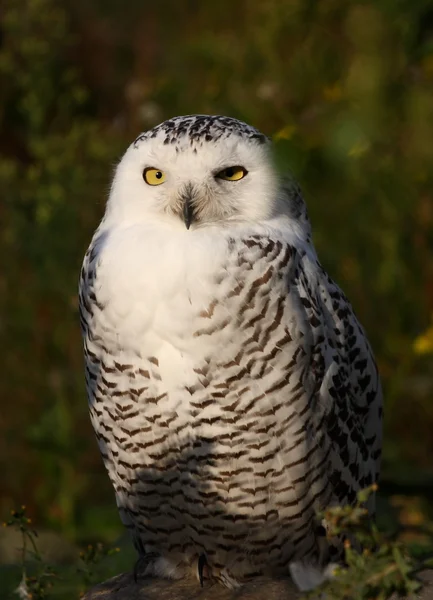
(54,161)
(424,343)
(35,586)
(37,580)
(376,566)
(91,557)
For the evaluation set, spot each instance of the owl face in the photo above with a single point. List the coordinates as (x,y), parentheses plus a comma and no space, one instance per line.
(195,171)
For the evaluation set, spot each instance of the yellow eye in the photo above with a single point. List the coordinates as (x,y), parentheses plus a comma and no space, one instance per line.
(232,173)
(153,176)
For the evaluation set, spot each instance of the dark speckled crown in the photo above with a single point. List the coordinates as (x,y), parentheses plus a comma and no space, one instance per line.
(200,129)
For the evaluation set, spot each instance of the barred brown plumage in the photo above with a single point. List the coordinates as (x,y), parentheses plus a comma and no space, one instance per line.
(231,388)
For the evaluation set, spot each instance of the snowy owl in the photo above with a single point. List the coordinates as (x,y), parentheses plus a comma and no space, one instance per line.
(231,388)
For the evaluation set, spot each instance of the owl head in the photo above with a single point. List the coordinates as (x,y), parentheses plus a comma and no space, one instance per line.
(197,170)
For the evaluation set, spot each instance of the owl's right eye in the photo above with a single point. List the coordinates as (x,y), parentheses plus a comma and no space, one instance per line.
(153,176)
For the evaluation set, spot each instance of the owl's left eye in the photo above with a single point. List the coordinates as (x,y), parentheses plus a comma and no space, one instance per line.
(153,176)
(232,173)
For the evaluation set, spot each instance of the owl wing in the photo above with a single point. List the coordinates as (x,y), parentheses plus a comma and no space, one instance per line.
(346,379)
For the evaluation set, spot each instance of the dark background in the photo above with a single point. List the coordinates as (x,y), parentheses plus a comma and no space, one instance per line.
(346,90)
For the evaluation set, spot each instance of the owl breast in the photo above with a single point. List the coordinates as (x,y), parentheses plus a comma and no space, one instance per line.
(203,402)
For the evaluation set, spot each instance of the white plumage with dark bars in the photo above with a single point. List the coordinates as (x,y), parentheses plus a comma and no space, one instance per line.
(231,388)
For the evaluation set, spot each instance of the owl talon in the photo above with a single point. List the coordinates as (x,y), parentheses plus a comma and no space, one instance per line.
(201,564)
(136,569)
(142,563)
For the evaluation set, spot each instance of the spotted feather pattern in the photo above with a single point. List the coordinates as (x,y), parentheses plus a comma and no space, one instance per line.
(197,130)
(277,416)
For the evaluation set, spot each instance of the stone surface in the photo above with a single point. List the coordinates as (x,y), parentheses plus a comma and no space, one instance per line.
(123,587)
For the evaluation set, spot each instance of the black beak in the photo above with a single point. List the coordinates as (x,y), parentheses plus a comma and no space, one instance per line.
(188,212)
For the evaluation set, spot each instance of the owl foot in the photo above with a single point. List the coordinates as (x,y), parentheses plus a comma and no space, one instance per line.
(201,567)
(142,564)
(228,580)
